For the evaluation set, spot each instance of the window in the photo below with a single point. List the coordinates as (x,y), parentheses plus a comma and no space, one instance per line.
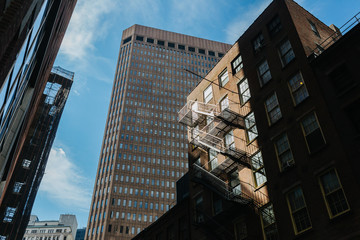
(17,187)
(312,132)
(240,230)
(220,54)
(199,217)
(229,139)
(268,222)
(272,109)
(126,40)
(299,214)
(213,159)
(298,89)
(286,52)
(333,193)
(274,26)
(191,49)
(313,28)
(160,42)
(283,151)
(223,78)
(202,51)
(182,47)
(139,38)
(237,64)
(150,40)
(250,126)
(258,42)
(9,214)
(208,94)
(211,53)
(170,44)
(217,204)
(264,73)
(258,169)
(244,91)
(26,163)
(224,104)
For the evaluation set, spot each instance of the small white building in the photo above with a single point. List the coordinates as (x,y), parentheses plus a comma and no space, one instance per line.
(62,229)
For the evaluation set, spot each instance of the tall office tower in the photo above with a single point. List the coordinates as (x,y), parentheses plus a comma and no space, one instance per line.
(30,46)
(144,149)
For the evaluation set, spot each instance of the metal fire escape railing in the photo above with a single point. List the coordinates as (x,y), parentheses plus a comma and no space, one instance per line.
(237,194)
(336,35)
(195,112)
(212,135)
(244,193)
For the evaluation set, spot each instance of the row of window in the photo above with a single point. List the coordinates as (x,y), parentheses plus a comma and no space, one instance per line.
(171,58)
(42,238)
(333,194)
(313,137)
(171,45)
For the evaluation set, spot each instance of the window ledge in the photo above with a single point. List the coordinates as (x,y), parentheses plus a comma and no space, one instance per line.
(289,63)
(311,154)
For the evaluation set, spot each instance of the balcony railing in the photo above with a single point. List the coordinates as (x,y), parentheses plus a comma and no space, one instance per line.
(217,128)
(231,118)
(195,112)
(243,193)
(225,166)
(336,35)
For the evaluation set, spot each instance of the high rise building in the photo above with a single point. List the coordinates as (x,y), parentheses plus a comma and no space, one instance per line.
(32,101)
(144,149)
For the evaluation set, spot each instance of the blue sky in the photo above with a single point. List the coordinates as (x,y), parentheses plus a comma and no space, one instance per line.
(90,49)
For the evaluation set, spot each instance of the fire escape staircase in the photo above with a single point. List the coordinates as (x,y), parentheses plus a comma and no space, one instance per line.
(251,198)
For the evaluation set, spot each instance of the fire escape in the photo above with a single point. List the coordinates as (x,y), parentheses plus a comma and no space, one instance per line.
(212,137)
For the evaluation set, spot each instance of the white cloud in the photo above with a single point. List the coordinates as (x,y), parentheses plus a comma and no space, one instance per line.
(63,182)
(245,19)
(86,26)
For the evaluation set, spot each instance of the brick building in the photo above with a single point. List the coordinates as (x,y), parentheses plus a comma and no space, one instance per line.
(274,127)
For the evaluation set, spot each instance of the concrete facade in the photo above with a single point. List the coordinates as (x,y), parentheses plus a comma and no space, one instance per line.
(62,229)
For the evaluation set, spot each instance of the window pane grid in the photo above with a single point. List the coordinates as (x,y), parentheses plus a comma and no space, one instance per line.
(208,94)
(284,152)
(264,72)
(310,124)
(298,88)
(237,64)
(273,109)
(244,91)
(224,78)
(258,169)
(334,194)
(250,125)
(298,210)
(286,52)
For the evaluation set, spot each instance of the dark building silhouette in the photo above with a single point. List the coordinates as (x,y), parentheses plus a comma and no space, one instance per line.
(29,45)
